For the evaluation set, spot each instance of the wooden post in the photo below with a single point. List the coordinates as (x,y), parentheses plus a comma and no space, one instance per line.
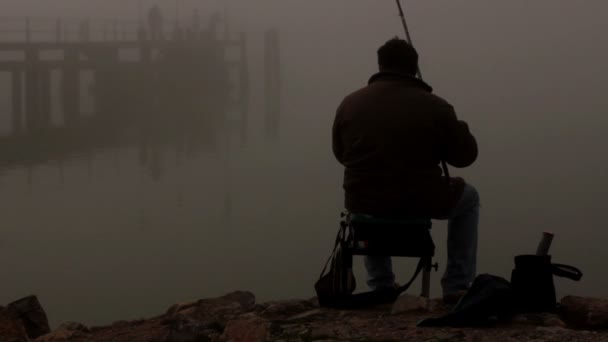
(45,97)
(58,30)
(71,87)
(115,30)
(244,88)
(84,31)
(142,34)
(272,80)
(145,104)
(27,30)
(105,31)
(17,101)
(32,90)
(105,79)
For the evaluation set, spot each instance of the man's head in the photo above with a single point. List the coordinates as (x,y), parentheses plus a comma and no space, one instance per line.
(398,55)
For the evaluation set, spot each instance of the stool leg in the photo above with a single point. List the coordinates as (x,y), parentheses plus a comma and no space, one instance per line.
(426,283)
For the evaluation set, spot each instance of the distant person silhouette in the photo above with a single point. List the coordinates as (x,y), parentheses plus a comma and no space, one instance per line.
(214,22)
(84,31)
(391,137)
(155,21)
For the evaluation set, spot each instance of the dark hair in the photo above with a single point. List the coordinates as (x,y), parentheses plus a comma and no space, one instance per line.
(399,55)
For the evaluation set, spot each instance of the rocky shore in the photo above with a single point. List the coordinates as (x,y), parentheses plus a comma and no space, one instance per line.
(236,317)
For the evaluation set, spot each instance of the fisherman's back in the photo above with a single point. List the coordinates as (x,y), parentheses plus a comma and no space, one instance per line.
(391,137)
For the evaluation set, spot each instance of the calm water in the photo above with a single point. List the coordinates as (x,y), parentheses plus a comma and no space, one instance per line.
(100,239)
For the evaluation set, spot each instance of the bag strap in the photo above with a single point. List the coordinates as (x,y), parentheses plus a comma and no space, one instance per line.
(567,271)
(419,268)
(446,172)
(367,299)
(341,236)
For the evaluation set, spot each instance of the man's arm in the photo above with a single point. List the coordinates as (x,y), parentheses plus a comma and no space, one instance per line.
(337,145)
(460,146)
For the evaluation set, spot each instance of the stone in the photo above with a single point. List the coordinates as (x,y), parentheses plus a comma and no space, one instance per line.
(152,330)
(31,313)
(248,328)
(64,336)
(475,337)
(244,298)
(287,308)
(538,319)
(179,307)
(553,321)
(322,332)
(446,337)
(245,301)
(306,315)
(11,328)
(585,312)
(552,330)
(408,303)
(74,326)
(215,311)
(294,330)
(187,330)
(67,332)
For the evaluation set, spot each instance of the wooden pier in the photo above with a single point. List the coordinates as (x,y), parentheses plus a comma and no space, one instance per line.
(154,86)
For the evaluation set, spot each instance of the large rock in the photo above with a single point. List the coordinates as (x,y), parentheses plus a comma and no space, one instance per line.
(11,328)
(31,313)
(182,329)
(538,319)
(585,312)
(216,310)
(286,308)
(248,328)
(153,330)
(67,332)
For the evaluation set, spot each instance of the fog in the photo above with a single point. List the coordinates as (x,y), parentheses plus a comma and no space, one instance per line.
(100,238)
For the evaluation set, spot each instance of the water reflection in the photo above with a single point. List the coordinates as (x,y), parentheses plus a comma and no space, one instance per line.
(117,172)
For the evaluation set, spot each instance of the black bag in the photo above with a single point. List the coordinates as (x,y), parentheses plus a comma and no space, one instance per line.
(532,281)
(489,300)
(339,282)
(335,288)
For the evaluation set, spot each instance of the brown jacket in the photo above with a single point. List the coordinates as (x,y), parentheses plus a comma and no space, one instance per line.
(391,137)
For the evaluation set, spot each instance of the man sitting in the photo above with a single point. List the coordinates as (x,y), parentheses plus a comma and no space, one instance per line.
(391,137)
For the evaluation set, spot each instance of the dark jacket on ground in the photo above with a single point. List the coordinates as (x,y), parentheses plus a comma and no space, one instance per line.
(391,137)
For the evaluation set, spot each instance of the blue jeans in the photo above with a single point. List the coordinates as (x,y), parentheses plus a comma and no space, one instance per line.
(462,249)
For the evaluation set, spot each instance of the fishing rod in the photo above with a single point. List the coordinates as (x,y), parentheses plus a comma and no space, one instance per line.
(547,238)
(408,37)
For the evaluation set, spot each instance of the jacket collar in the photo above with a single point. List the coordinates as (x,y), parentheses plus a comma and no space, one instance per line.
(401,77)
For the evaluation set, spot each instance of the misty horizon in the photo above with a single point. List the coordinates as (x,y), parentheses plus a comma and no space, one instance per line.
(98,239)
